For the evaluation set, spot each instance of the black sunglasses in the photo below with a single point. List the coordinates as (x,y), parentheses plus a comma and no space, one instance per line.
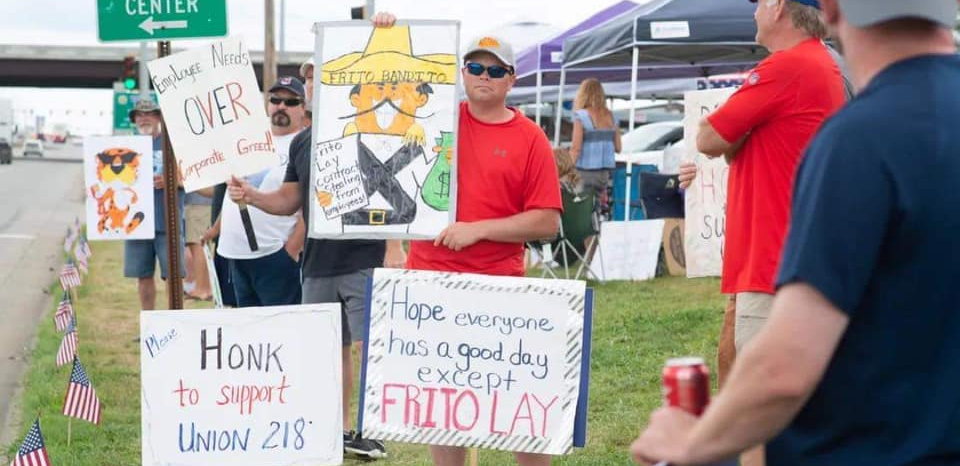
(293,102)
(495,71)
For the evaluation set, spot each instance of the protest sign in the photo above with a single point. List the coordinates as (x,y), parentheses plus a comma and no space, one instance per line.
(214,113)
(706,198)
(241,386)
(384,130)
(629,250)
(118,174)
(463,359)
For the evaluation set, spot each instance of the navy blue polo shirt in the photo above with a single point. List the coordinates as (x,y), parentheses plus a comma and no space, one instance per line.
(875,227)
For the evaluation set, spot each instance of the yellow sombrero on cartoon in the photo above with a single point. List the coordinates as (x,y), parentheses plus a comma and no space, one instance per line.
(388,57)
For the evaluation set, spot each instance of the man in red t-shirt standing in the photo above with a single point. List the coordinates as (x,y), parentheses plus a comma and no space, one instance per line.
(762,130)
(507,190)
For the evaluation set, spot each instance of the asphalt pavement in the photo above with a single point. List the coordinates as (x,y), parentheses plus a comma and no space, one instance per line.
(39,199)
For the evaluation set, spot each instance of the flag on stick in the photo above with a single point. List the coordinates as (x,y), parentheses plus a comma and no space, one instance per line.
(32,452)
(64,313)
(81,401)
(68,346)
(69,276)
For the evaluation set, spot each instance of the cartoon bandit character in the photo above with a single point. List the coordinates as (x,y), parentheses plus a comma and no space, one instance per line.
(117,171)
(390,83)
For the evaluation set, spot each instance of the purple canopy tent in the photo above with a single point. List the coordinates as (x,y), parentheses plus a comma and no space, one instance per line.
(540,64)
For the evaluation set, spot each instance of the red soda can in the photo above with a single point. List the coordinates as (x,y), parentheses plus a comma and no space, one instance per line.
(686,384)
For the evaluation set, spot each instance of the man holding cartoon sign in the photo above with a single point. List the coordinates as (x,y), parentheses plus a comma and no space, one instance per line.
(333,270)
(508,190)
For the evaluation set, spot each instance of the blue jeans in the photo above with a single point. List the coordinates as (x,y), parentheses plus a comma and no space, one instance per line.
(272,280)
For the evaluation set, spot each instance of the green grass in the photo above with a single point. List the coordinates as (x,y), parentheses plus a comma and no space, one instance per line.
(637,326)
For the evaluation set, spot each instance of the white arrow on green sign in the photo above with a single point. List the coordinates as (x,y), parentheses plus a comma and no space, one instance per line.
(120,20)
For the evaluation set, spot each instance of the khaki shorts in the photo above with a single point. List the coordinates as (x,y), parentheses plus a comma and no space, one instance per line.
(753,309)
(198,221)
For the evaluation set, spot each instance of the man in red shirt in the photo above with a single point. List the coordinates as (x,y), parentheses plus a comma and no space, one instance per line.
(762,130)
(508,191)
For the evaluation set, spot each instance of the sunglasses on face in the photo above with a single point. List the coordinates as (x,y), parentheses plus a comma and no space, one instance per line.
(494,71)
(293,102)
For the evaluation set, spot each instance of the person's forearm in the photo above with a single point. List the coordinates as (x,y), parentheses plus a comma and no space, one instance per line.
(757,402)
(525,226)
(297,236)
(731,153)
(278,202)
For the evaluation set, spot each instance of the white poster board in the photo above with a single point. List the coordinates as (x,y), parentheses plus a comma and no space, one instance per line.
(208,256)
(118,174)
(629,250)
(249,386)
(384,130)
(706,198)
(463,359)
(214,113)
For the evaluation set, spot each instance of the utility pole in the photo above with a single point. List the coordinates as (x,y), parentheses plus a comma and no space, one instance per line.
(283,29)
(269,48)
(144,78)
(369,9)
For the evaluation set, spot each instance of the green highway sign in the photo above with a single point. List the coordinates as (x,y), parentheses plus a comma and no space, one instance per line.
(123,102)
(141,20)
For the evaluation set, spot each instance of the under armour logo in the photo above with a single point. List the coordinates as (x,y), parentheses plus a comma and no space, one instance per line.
(500,152)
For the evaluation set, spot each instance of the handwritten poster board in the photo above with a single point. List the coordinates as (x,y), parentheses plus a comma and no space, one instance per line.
(241,386)
(463,359)
(214,113)
(118,174)
(629,250)
(384,129)
(706,198)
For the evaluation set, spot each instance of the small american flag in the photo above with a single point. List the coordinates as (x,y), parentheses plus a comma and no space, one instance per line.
(68,241)
(68,346)
(85,247)
(69,276)
(81,401)
(64,312)
(32,452)
(81,259)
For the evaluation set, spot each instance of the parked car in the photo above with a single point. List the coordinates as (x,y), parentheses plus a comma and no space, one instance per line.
(652,137)
(6,152)
(33,147)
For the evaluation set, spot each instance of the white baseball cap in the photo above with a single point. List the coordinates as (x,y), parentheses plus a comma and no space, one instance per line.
(492,45)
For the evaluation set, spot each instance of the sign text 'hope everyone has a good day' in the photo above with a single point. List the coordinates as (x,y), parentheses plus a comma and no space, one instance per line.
(241,386)
(462,359)
(214,113)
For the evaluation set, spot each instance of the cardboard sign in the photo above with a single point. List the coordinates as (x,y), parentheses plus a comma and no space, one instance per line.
(706,198)
(384,130)
(629,250)
(241,386)
(463,359)
(214,113)
(118,174)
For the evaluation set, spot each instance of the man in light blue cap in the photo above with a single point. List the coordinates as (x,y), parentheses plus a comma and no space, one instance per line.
(857,364)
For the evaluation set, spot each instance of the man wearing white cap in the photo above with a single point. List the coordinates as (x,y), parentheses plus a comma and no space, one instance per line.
(857,363)
(508,191)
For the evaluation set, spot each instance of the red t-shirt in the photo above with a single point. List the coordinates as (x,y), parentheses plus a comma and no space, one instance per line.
(781,105)
(502,170)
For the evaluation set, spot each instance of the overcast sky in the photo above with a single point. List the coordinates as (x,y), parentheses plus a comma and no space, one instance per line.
(74,22)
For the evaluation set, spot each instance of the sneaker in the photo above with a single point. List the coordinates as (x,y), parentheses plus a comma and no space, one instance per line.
(366,448)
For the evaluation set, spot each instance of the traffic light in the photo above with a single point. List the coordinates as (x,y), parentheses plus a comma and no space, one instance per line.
(130,72)
(357,12)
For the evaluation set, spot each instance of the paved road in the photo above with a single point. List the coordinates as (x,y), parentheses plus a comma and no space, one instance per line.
(39,199)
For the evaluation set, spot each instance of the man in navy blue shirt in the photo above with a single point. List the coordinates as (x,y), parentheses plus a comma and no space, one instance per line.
(858,363)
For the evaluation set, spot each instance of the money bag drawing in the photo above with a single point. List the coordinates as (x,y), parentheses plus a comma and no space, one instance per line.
(389,87)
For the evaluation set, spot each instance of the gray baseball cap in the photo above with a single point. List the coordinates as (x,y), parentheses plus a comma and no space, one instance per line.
(493,45)
(864,13)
